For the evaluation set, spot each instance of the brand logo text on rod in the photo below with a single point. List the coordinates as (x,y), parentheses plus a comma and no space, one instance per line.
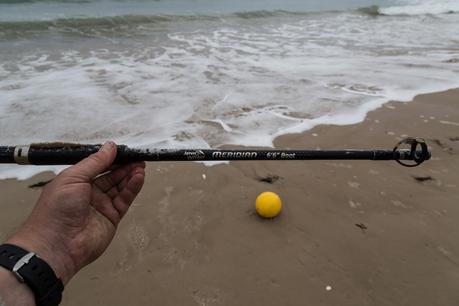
(249,155)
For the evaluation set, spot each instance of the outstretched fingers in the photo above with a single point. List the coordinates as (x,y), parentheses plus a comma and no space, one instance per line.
(108,183)
(104,206)
(128,190)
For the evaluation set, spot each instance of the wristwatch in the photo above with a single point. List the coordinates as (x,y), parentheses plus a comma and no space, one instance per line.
(33,271)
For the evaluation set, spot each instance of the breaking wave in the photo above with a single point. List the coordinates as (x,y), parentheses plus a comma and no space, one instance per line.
(412,8)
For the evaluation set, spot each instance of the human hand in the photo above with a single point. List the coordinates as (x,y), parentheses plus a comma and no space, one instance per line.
(77,214)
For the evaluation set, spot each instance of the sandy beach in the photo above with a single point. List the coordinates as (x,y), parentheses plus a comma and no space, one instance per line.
(351,233)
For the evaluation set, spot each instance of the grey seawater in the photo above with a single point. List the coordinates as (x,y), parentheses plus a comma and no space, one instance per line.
(206,78)
(27,10)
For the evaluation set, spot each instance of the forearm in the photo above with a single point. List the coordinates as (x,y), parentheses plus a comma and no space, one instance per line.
(12,292)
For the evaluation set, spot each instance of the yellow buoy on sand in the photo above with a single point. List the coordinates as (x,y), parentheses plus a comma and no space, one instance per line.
(268,204)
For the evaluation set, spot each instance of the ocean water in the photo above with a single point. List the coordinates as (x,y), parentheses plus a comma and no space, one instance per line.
(203,73)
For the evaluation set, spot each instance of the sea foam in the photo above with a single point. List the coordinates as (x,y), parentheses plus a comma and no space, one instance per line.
(422,7)
(205,83)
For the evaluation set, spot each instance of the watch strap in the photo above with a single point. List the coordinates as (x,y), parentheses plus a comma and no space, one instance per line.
(33,271)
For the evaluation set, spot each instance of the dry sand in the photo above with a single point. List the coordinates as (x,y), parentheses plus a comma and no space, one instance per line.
(369,230)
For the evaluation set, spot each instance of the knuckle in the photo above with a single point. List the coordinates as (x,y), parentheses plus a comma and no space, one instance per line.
(66,172)
(97,158)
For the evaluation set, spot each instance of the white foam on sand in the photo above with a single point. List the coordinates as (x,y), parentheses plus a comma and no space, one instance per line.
(26,172)
(230,82)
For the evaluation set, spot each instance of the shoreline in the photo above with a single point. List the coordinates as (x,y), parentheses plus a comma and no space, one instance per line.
(278,141)
(383,110)
(375,232)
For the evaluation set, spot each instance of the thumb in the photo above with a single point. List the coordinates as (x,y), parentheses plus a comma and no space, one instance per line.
(96,163)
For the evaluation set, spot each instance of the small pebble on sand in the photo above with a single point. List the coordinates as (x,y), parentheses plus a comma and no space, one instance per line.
(353,184)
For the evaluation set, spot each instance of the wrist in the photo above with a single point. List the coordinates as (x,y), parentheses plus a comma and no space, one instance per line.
(49,250)
(13,292)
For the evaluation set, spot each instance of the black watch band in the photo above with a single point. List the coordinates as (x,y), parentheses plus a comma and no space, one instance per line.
(33,271)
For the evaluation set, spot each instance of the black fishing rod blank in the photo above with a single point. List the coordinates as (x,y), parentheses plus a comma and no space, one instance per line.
(70,153)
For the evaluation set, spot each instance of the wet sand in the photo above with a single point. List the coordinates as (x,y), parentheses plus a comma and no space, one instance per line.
(374,233)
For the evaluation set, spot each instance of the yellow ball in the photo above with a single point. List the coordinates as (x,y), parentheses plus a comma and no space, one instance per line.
(268,204)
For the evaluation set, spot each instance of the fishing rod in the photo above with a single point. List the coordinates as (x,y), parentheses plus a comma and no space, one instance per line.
(58,153)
